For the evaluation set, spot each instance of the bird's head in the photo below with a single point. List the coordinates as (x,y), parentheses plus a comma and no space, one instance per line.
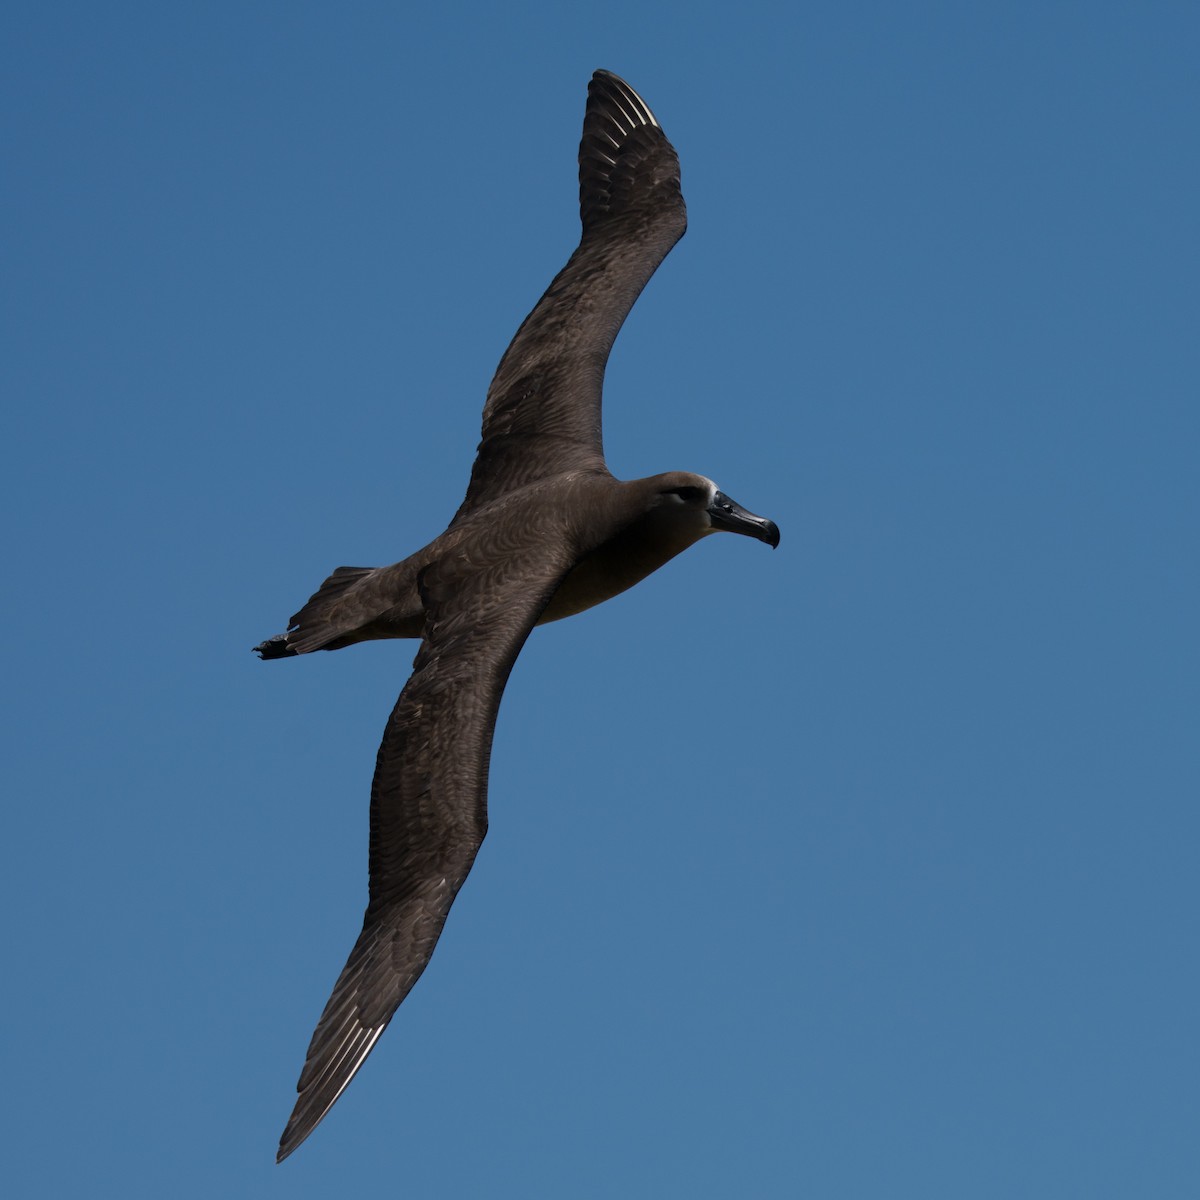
(695,500)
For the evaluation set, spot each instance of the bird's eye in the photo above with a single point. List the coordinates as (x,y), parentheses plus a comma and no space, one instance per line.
(689,494)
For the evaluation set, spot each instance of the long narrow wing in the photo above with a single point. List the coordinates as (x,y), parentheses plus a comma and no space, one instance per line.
(542,414)
(428,805)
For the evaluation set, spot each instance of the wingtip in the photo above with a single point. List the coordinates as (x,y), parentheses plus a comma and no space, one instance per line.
(291,1138)
(332,1062)
(294,1134)
(291,1141)
(610,86)
(625,159)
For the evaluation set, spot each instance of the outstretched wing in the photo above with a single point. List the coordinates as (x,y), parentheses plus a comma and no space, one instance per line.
(542,414)
(428,804)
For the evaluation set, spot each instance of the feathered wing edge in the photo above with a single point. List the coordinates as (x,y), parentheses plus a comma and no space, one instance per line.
(428,804)
(543,410)
(380,972)
(612,137)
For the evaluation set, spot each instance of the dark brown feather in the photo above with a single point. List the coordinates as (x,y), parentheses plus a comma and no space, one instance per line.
(428,798)
(542,415)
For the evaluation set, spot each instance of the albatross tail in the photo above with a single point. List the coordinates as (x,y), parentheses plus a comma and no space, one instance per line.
(321,621)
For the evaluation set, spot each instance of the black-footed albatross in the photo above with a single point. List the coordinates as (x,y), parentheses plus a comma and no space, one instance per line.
(545,531)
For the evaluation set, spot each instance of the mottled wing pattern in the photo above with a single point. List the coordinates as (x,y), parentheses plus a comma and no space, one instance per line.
(428,801)
(543,410)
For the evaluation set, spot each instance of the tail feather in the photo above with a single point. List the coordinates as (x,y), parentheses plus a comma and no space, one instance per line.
(324,617)
(275,647)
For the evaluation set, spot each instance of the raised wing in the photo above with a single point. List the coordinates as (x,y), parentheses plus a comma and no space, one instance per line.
(428,804)
(542,414)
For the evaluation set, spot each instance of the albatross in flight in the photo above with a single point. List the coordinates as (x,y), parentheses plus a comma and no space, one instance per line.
(545,531)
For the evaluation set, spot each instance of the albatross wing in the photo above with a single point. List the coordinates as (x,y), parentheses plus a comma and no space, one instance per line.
(542,415)
(428,800)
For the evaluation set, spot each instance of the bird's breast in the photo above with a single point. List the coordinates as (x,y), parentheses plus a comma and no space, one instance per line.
(617,564)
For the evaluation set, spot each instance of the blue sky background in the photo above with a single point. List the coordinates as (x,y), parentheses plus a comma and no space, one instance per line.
(864,868)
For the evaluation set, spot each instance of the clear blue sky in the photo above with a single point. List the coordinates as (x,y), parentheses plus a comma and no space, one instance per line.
(864,868)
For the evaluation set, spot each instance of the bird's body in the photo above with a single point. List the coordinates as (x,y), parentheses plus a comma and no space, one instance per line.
(617,545)
(545,532)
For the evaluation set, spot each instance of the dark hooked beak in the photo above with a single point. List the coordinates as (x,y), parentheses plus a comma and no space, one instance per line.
(729,515)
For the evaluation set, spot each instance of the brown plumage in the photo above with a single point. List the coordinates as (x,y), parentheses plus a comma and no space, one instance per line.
(544,532)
